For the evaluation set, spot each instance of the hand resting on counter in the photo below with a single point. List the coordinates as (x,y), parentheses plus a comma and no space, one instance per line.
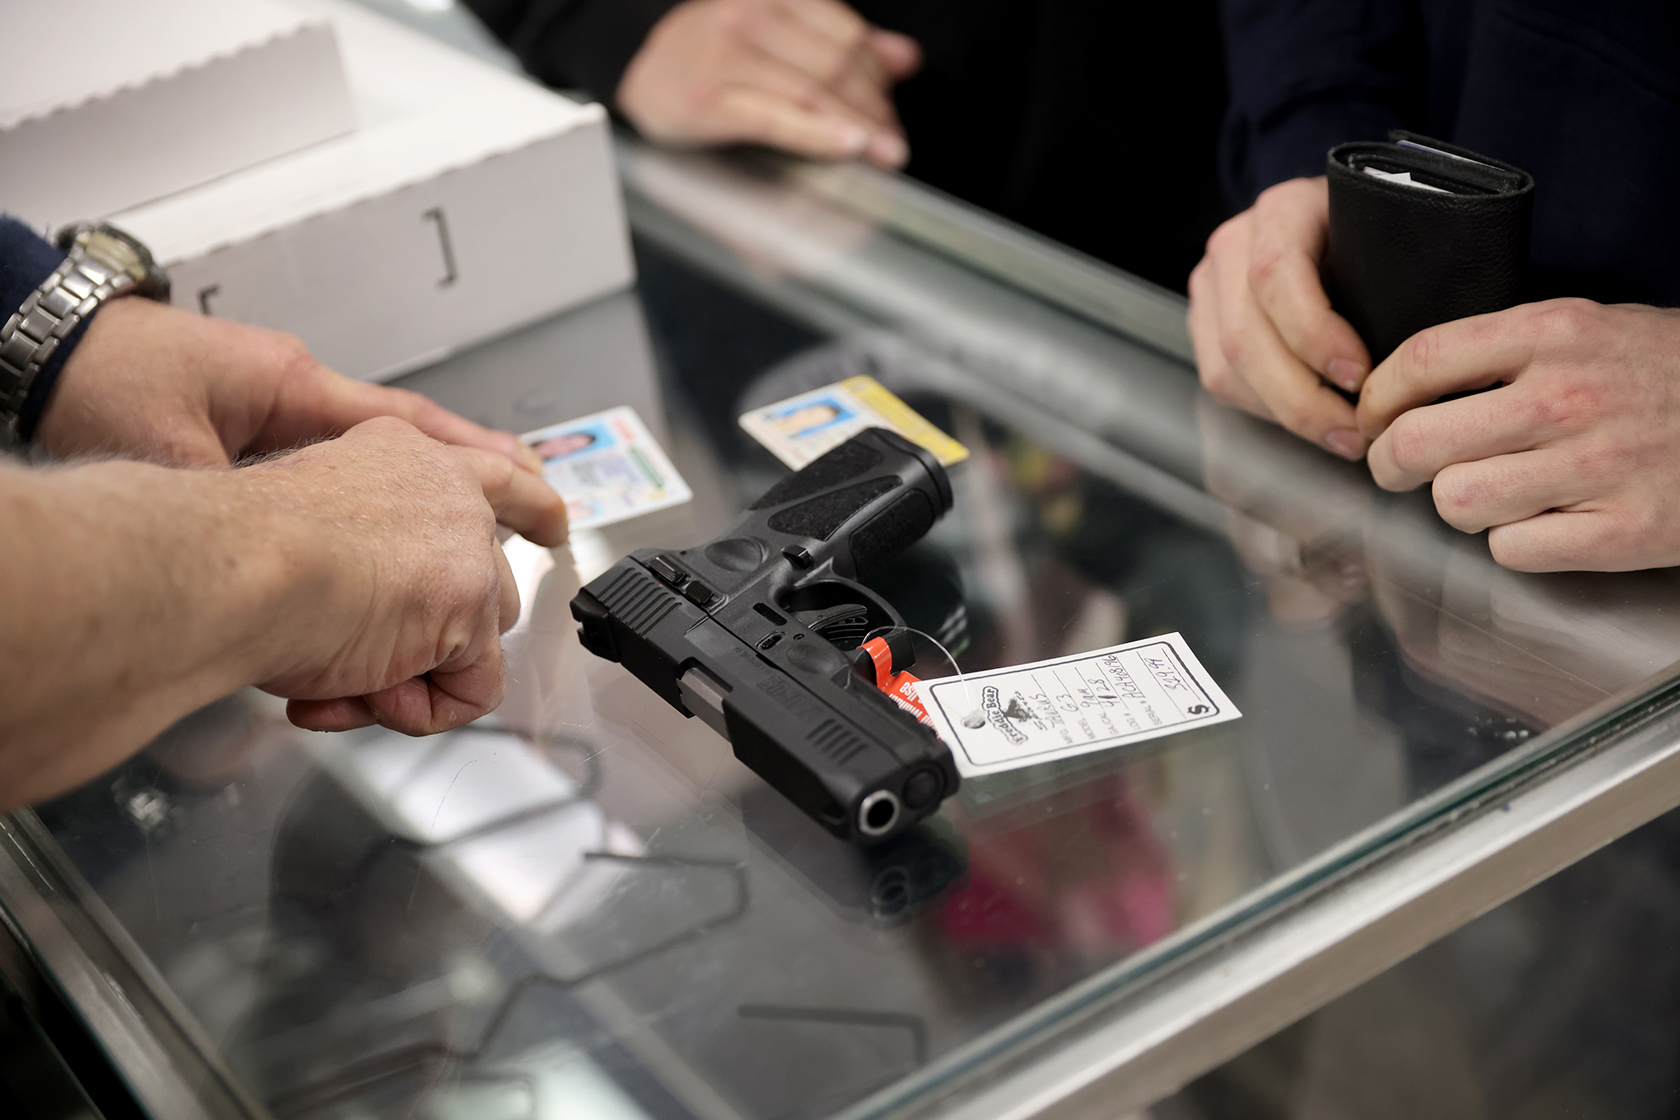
(1571,460)
(806,76)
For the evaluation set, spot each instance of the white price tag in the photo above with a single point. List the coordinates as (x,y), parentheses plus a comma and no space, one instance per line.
(1003,719)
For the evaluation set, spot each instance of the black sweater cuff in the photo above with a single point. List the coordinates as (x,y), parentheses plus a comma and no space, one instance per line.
(574,44)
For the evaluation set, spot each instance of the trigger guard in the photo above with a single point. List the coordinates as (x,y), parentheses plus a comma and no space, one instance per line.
(893,616)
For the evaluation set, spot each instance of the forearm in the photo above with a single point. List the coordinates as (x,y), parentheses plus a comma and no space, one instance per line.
(131,595)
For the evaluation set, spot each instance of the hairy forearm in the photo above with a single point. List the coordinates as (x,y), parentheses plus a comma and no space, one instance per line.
(129,596)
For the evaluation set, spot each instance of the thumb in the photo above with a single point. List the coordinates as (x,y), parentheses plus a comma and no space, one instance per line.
(191,442)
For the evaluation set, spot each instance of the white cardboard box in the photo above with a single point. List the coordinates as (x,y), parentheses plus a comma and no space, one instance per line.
(105,104)
(469,201)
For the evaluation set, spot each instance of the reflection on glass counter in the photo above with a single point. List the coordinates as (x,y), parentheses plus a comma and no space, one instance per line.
(586,906)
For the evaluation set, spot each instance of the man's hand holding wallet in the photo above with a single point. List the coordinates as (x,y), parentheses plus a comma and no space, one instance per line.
(1570,459)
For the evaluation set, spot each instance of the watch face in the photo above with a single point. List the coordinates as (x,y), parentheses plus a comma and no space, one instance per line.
(114,252)
(118,251)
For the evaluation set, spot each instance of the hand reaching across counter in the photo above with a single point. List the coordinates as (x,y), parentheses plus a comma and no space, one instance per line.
(160,383)
(807,76)
(359,577)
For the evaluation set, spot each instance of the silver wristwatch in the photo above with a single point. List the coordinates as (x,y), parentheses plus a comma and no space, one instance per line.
(102,262)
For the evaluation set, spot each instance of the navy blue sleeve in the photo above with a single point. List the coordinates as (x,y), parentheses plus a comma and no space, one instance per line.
(574,44)
(1311,74)
(26,259)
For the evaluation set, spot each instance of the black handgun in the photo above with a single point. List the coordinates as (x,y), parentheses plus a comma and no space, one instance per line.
(759,634)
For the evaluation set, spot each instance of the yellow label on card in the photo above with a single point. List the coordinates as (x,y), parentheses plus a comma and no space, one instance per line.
(803,428)
(905,420)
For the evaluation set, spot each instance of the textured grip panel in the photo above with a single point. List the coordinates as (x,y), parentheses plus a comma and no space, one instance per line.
(823,515)
(891,531)
(848,460)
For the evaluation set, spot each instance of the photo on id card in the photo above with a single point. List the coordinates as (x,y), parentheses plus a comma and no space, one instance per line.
(607,467)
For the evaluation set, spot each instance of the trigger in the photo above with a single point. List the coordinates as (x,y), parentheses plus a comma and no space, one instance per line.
(844,625)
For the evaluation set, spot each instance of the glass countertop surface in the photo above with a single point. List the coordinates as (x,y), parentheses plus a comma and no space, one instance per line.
(585,906)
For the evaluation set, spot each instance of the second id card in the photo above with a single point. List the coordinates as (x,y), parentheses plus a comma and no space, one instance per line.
(607,467)
(1002,719)
(802,428)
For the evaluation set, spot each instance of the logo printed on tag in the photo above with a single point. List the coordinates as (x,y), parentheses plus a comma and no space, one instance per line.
(999,718)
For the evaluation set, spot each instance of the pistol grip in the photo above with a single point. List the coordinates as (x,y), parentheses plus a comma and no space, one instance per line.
(858,505)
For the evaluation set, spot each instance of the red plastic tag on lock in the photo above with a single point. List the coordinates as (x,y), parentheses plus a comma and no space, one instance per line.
(899,687)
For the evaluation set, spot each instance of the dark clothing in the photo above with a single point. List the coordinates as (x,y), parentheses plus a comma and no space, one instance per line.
(1093,123)
(26,259)
(573,44)
(1583,94)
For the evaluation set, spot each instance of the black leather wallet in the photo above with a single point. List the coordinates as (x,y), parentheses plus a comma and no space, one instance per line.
(1422,232)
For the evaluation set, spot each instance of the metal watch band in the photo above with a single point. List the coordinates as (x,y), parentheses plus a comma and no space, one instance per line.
(75,288)
(100,262)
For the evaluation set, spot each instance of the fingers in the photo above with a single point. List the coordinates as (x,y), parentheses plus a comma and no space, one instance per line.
(1420,443)
(1564,542)
(1291,228)
(900,55)
(1264,335)
(437,702)
(769,118)
(507,600)
(345,714)
(441,701)
(311,401)
(766,75)
(1503,489)
(1546,511)
(521,501)
(448,427)
(832,20)
(1250,344)
(772,102)
(459,690)
(842,52)
(1454,357)
(329,403)
(1216,373)
(831,47)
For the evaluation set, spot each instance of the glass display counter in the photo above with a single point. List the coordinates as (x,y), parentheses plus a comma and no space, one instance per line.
(585,906)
